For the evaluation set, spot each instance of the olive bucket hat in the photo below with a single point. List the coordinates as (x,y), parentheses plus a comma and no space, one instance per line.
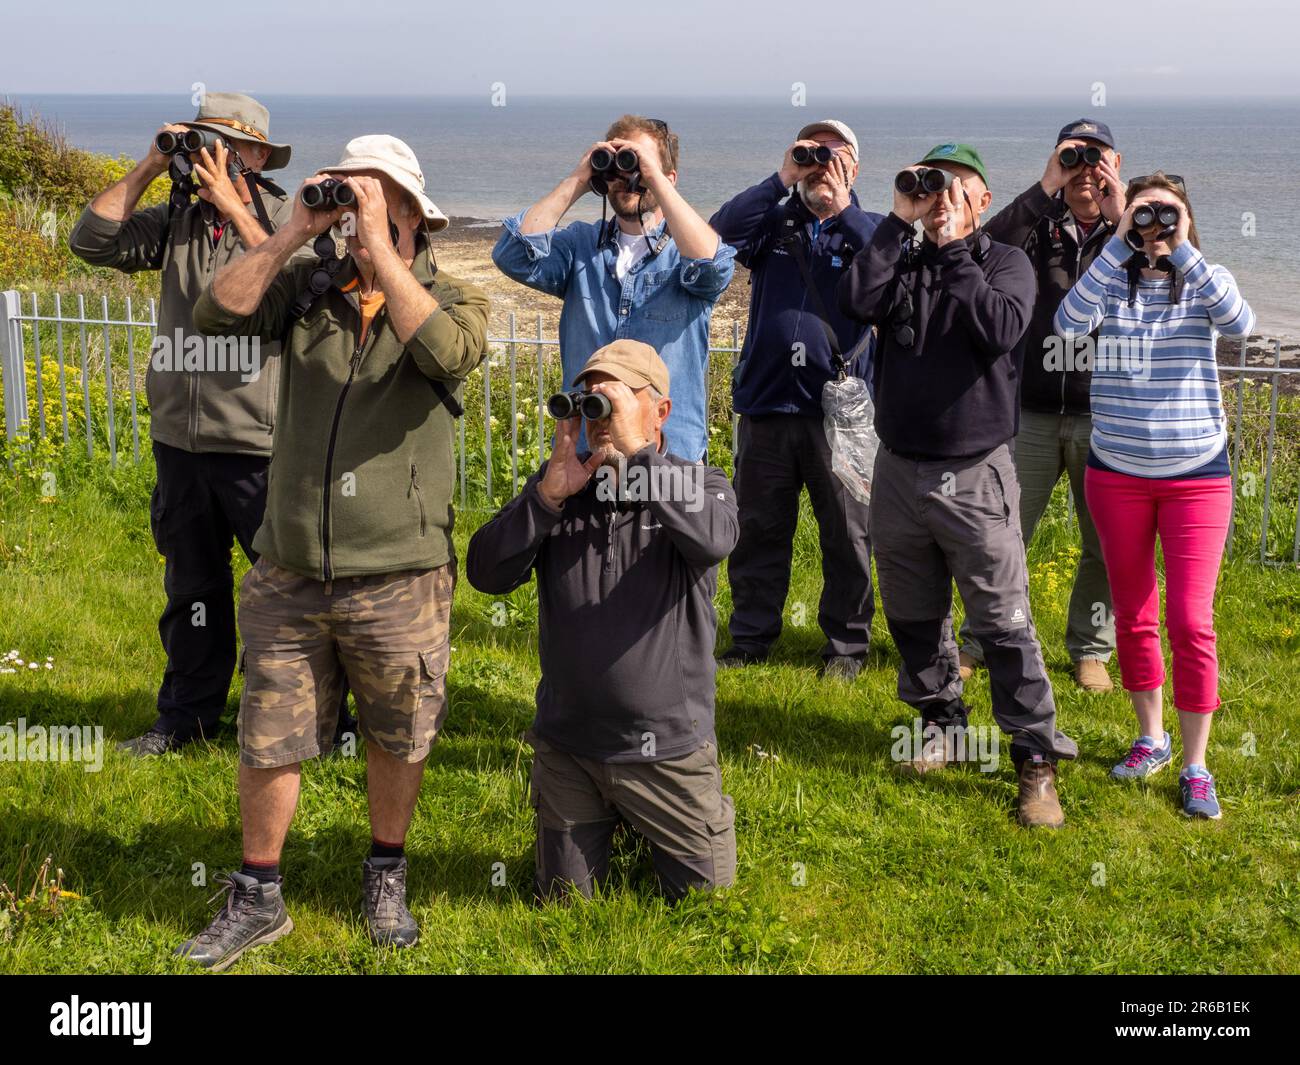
(240,117)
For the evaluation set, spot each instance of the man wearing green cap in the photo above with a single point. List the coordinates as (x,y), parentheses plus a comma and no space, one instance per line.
(210,423)
(625,541)
(1063,221)
(950,312)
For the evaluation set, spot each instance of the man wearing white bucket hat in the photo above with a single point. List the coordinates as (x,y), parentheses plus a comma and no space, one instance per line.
(355,579)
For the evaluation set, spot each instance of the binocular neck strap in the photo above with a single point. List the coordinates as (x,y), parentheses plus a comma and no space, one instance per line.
(253,182)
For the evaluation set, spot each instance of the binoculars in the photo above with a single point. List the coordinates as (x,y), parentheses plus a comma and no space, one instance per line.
(1151,213)
(328,194)
(590,405)
(805,156)
(922,182)
(191,140)
(607,165)
(1072,157)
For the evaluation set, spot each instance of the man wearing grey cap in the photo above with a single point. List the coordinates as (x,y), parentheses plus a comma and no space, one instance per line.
(625,541)
(1062,222)
(797,245)
(210,424)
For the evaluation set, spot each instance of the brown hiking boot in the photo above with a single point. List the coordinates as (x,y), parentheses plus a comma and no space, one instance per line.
(1091,675)
(1038,806)
(966,665)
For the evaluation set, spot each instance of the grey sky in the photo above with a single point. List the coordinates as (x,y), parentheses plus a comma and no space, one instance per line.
(670,47)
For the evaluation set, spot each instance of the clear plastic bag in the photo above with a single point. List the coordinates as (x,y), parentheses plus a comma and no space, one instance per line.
(851,433)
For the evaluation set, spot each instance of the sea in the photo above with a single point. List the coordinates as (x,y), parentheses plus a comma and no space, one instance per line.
(1239,157)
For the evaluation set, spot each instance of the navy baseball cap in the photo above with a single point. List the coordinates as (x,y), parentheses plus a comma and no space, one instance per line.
(1087,129)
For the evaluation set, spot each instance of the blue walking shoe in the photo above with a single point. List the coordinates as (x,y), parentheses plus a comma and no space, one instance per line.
(1145,759)
(1197,789)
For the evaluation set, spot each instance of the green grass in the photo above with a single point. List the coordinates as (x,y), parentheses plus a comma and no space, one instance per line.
(901,875)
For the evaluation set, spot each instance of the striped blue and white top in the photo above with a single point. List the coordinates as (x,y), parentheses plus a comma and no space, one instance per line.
(1157,410)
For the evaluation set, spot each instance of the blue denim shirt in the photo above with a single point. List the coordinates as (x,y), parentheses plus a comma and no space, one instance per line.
(664,300)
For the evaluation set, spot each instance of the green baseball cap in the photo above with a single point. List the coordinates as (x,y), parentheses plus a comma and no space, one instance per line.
(962,154)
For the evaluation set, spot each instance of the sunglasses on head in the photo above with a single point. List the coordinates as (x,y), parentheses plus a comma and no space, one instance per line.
(1176,179)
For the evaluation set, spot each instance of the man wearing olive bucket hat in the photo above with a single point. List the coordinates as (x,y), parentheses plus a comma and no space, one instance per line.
(211,417)
(354,580)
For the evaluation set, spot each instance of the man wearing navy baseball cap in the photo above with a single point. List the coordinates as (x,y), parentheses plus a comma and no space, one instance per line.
(1062,222)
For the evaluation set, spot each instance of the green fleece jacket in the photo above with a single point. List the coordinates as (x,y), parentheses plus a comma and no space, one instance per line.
(362,471)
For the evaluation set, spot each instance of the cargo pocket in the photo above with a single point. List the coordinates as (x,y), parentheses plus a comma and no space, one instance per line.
(157,516)
(432,707)
(722,843)
(1003,496)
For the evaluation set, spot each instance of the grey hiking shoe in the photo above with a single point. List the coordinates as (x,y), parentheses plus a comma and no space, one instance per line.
(384,883)
(252,915)
(151,743)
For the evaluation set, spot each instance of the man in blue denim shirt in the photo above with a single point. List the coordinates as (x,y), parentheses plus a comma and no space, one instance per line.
(653,273)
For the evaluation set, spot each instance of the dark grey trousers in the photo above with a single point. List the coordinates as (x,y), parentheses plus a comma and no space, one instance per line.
(776,456)
(959,519)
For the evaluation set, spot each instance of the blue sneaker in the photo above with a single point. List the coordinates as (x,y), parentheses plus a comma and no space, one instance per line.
(1197,789)
(1145,759)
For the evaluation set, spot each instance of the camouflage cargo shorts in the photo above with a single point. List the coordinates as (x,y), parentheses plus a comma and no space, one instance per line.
(388,635)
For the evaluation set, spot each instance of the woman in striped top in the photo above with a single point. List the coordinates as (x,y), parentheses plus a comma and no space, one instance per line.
(1158,464)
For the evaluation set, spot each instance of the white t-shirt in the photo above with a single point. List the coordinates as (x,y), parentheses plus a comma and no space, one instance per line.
(631,250)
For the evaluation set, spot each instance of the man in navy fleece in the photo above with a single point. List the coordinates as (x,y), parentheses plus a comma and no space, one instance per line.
(797,338)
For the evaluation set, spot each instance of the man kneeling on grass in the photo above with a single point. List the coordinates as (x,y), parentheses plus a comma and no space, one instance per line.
(356,572)
(626,542)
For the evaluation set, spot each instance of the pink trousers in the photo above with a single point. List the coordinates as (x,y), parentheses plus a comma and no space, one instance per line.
(1191,518)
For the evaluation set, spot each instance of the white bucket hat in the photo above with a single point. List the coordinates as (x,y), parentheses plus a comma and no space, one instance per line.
(379,151)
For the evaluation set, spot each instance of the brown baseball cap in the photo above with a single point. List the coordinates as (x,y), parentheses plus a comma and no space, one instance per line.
(633,362)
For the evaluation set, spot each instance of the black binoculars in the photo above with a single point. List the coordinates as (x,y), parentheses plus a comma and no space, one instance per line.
(922,182)
(1151,213)
(170,142)
(1072,156)
(590,405)
(328,194)
(607,165)
(805,156)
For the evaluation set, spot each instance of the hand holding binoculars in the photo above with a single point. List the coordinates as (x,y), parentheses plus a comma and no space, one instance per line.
(590,405)
(180,146)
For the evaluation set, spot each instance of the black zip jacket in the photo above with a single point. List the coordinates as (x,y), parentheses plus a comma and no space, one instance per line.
(1043,226)
(625,617)
(954,392)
